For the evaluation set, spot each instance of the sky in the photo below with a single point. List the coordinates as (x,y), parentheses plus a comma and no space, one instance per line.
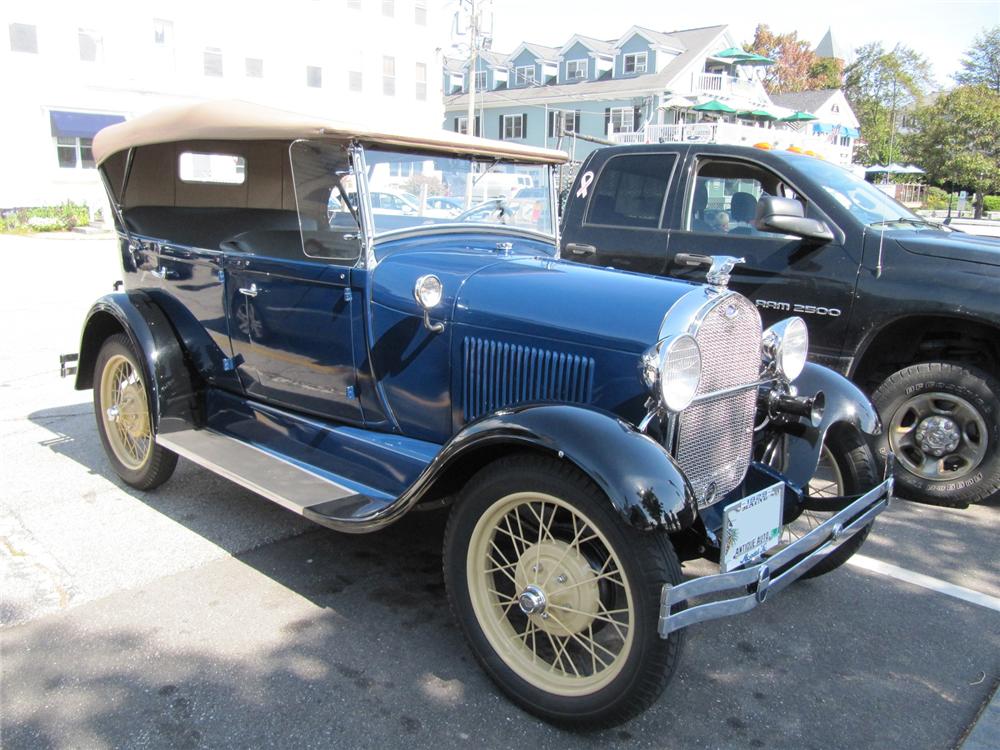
(941,30)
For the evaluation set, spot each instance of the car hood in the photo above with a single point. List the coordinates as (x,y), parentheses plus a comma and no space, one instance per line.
(953,246)
(575,303)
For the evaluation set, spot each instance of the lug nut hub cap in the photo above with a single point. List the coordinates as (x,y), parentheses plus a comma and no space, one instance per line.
(554,573)
(938,435)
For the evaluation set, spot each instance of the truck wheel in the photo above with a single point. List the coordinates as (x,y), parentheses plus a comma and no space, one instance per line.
(942,421)
(124,422)
(846,467)
(558,597)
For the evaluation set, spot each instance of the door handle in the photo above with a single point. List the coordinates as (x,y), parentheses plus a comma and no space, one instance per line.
(576,249)
(160,273)
(249,292)
(693,259)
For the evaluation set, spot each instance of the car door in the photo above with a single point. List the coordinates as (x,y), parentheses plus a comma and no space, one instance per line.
(784,275)
(293,313)
(616,217)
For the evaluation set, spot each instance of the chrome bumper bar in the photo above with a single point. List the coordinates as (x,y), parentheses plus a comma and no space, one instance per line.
(756,582)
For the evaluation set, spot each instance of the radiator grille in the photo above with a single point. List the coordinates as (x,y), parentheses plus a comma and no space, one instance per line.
(714,438)
(497,374)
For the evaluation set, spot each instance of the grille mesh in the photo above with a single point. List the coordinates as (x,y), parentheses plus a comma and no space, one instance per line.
(714,438)
(497,374)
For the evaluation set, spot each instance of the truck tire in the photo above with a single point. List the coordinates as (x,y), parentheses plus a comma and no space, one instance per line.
(124,419)
(942,420)
(557,596)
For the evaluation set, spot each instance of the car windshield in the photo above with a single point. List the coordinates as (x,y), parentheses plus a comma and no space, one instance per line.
(865,201)
(412,190)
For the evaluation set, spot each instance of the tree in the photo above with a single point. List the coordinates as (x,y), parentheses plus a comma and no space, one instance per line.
(826,73)
(957,141)
(982,62)
(793,60)
(880,86)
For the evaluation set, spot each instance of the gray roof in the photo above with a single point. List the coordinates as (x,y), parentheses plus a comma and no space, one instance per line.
(453,64)
(598,45)
(695,41)
(804,101)
(542,52)
(828,47)
(663,39)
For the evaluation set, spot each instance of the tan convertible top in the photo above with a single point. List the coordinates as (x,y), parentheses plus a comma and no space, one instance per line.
(243,121)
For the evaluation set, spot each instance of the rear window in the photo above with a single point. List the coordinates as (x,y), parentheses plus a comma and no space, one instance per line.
(630,190)
(227,169)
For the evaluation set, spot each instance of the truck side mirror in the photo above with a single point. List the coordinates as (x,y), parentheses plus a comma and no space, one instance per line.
(786,216)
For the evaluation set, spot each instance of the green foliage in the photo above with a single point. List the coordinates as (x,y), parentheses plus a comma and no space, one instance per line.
(957,141)
(937,199)
(59,218)
(991,203)
(826,73)
(796,67)
(981,65)
(416,183)
(881,85)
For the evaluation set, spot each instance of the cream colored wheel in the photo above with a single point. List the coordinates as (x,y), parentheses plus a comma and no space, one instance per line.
(550,594)
(557,594)
(125,412)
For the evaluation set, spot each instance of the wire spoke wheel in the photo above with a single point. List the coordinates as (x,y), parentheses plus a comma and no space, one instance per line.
(828,481)
(125,412)
(550,593)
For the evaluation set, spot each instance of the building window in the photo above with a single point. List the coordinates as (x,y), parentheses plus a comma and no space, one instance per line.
(314,76)
(576,70)
(389,76)
(634,62)
(75,153)
(421,74)
(213,62)
(91,46)
(23,38)
(513,127)
(834,107)
(389,8)
(481,79)
(163,32)
(622,119)
(354,4)
(462,125)
(563,122)
(524,75)
(254,67)
(420,13)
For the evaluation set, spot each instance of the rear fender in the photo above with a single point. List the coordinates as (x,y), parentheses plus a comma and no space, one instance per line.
(173,388)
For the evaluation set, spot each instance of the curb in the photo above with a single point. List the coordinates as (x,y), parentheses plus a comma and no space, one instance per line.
(984,734)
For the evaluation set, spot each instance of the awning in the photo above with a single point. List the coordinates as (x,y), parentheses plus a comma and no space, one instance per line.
(80,124)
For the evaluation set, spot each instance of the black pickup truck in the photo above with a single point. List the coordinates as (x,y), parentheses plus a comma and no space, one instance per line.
(907,309)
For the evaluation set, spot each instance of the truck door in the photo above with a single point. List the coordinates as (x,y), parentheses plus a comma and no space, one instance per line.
(615,216)
(783,274)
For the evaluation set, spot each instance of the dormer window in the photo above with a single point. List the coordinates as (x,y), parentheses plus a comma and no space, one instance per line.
(634,62)
(576,70)
(481,80)
(524,75)
(835,108)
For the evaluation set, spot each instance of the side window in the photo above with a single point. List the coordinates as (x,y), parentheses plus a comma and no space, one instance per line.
(630,190)
(324,198)
(725,195)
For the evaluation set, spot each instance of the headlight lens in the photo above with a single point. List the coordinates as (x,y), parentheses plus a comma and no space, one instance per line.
(786,344)
(679,371)
(428,291)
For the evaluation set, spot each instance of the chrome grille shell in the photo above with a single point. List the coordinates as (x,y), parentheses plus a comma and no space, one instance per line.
(715,434)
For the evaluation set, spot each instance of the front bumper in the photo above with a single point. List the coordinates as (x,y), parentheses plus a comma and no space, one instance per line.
(756,582)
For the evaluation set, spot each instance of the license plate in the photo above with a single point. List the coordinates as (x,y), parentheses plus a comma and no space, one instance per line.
(751,526)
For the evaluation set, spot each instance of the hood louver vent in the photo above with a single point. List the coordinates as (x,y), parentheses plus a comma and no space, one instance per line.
(496,375)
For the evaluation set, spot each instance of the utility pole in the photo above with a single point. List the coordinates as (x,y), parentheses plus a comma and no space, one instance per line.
(470,127)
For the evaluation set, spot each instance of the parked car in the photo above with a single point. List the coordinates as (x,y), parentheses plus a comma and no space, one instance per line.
(904,307)
(588,428)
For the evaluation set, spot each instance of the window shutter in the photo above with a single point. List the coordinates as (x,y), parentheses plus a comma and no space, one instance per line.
(607,120)
(478,130)
(576,122)
(636,119)
(501,128)
(552,124)
(456,125)
(524,124)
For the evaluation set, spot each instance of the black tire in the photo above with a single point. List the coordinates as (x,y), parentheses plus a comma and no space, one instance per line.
(856,472)
(647,560)
(156,463)
(967,398)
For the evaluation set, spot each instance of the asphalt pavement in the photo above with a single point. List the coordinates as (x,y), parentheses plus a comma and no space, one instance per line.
(201,615)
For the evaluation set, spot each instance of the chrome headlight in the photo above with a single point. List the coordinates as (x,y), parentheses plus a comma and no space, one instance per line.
(672,370)
(785,346)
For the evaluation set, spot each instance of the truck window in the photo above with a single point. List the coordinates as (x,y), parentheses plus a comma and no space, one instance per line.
(631,190)
(725,195)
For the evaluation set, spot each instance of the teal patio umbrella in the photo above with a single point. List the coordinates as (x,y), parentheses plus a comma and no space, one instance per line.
(742,57)
(799,117)
(714,106)
(757,114)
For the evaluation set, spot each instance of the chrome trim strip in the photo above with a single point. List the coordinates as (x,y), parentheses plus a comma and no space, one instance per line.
(773,574)
(357,154)
(729,391)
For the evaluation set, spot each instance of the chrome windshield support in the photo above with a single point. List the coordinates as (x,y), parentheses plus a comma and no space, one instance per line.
(755,583)
(360,167)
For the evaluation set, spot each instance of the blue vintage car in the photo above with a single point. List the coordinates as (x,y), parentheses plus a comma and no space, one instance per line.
(589,428)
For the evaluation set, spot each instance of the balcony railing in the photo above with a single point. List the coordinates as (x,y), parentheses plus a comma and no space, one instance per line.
(717,84)
(740,135)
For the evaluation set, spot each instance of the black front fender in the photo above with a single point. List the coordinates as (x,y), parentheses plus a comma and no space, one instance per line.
(172,387)
(639,477)
(845,404)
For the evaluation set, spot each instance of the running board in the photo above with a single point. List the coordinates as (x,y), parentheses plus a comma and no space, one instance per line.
(318,498)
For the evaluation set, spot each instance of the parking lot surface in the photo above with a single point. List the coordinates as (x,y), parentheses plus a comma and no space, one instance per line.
(201,615)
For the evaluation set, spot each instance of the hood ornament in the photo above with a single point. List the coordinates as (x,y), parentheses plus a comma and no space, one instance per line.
(722,266)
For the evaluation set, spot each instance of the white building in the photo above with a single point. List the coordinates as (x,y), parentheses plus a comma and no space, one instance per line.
(70,68)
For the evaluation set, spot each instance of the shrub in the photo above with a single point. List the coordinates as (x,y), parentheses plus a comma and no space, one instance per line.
(991,203)
(415,183)
(46,218)
(936,199)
